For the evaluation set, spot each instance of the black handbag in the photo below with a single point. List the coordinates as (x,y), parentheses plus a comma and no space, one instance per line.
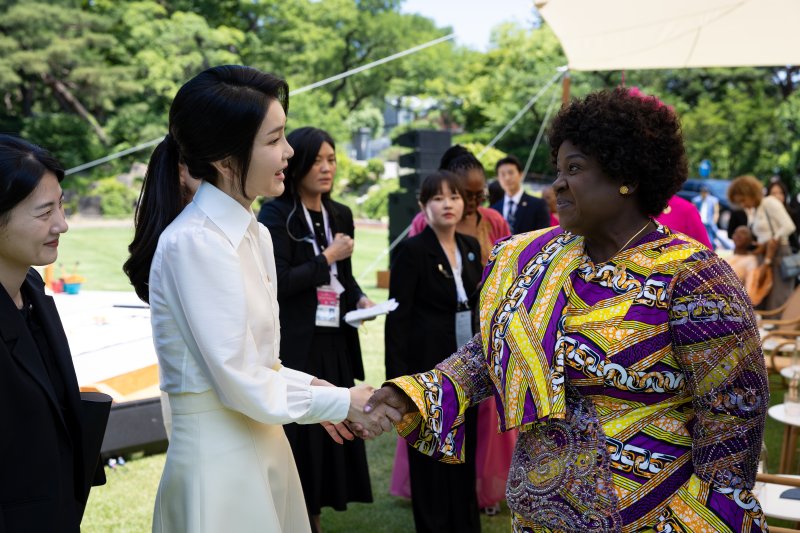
(95,408)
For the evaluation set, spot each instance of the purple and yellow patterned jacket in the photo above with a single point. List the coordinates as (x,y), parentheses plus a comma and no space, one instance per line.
(638,386)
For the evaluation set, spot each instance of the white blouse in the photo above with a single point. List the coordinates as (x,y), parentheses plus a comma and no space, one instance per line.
(214,312)
(771,210)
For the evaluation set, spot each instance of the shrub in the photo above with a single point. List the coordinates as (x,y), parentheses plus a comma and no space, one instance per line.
(116,200)
(350,175)
(375,204)
(375,167)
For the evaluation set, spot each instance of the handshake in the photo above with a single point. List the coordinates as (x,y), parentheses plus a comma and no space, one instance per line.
(371,412)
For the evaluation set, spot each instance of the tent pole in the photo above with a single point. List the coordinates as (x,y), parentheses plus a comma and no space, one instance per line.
(565,82)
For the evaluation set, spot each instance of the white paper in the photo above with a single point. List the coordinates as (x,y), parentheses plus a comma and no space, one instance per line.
(356,317)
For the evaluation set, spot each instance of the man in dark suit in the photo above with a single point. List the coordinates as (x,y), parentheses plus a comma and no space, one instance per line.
(522,211)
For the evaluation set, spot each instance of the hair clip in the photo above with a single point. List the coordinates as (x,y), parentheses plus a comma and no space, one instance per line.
(444,272)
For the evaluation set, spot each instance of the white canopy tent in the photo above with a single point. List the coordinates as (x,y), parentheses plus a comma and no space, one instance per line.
(656,34)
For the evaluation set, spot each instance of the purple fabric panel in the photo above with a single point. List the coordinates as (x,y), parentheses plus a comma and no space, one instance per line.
(653,499)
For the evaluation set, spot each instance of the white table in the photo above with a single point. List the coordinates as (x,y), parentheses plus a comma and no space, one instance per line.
(109,333)
(790,432)
(769,495)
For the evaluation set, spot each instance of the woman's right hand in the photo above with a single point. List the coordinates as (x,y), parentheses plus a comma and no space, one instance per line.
(377,420)
(340,248)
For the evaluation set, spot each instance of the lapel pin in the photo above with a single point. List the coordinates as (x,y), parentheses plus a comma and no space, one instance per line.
(471,256)
(443,271)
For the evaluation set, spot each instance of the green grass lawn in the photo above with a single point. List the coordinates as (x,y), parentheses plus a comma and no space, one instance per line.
(125,503)
(99,254)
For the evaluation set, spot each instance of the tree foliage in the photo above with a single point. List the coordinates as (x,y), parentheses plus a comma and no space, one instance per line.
(89,77)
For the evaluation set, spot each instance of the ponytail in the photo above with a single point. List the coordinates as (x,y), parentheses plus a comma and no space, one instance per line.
(159,203)
(459,160)
(214,116)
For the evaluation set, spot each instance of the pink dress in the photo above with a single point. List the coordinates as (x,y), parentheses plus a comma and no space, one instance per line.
(494,449)
(682,216)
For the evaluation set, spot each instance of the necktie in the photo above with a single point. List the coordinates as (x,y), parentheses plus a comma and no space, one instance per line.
(512,212)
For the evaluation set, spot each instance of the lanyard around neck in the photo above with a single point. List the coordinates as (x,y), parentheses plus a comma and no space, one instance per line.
(328,233)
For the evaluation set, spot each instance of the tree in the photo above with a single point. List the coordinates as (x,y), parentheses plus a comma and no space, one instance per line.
(58,59)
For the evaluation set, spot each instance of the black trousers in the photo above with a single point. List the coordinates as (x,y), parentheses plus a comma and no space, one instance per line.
(443,496)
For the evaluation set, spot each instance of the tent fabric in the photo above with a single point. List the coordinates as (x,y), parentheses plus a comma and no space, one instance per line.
(658,34)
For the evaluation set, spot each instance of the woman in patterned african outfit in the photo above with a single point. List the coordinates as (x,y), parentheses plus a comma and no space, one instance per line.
(626,354)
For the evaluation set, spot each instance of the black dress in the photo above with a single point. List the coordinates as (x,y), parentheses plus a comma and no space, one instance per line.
(331,474)
(420,334)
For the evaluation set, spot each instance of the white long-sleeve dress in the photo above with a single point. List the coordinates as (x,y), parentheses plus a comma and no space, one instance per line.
(215,326)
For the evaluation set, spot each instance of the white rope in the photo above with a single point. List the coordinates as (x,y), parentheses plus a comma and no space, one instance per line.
(559,74)
(539,135)
(113,156)
(326,81)
(373,64)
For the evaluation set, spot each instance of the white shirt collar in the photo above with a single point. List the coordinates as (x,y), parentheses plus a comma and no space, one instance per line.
(228,214)
(517,197)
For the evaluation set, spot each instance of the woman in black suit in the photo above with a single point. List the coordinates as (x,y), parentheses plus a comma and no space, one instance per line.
(313,241)
(434,278)
(45,471)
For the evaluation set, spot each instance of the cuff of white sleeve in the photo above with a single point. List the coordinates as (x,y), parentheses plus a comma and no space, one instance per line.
(330,403)
(295,376)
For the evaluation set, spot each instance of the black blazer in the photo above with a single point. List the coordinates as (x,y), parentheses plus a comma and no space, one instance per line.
(421,332)
(300,272)
(44,482)
(532,213)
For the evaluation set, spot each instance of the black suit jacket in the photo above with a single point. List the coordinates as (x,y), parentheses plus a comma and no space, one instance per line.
(421,332)
(300,272)
(43,476)
(532,213)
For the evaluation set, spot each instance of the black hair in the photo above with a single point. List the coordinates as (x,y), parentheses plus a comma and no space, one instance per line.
(432,185)
(635,139)
(459,160)
(22,165)
(508,160)
(496,192)
(214,117)
(306,143)
(775,180)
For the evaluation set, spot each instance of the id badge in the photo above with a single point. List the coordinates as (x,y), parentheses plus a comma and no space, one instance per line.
(327,307)
(328,303)
(463,327)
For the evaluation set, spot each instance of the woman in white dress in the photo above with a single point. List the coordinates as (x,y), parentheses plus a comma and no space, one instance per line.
(208,272)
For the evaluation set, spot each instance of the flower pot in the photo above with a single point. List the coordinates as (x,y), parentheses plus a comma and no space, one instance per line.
(72,288)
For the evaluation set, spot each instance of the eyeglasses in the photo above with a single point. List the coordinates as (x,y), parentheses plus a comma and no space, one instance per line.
(476,196)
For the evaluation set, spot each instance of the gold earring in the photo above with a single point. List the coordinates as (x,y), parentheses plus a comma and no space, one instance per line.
(624,190)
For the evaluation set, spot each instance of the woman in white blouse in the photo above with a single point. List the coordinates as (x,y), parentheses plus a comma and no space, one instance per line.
(208,272)
(771,226)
